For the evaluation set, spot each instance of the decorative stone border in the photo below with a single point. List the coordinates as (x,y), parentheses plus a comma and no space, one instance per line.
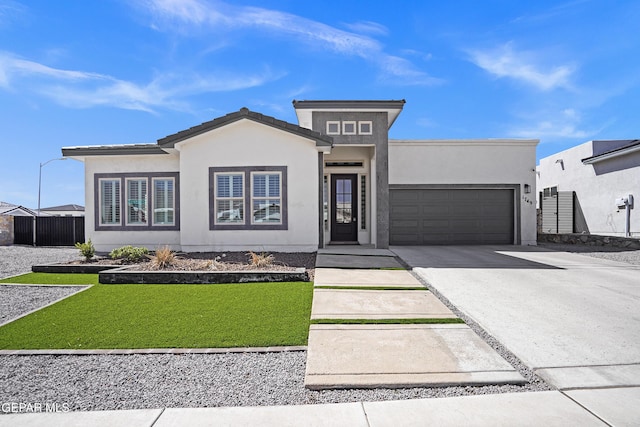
(72,268)
(124,276)
(119,275)
(590,240)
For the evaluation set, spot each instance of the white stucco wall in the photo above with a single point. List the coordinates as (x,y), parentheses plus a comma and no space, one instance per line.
(105,241)
(244,144)
(596,193)
(487,162)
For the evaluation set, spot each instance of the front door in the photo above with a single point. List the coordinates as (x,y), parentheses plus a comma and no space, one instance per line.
(344,227)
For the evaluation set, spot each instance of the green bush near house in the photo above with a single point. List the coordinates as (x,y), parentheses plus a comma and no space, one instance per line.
(129,253)
(86,249)
(168,316)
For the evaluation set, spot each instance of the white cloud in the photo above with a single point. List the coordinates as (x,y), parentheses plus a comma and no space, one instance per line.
(215,16)
(80,89)
(9,11)
(565,124)
(398,70)
(368,27)
(524,66)
(11,66)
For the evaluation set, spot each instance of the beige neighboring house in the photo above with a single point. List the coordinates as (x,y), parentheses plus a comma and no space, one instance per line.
(590,188)
(63,210)
(247,181)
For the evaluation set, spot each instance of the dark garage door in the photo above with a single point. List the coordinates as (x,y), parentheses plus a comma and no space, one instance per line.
(451,217)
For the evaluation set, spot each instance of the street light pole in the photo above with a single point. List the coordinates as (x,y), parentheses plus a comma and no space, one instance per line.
(40,178)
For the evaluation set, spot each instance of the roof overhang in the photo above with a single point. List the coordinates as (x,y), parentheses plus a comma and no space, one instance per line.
(622,151)
(112,150)
(305,109)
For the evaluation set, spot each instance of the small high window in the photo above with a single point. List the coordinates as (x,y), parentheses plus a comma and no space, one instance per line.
(348,128)
(365,128)
(333,128)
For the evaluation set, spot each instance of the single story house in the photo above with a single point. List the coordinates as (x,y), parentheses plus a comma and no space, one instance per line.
(590,188)
(64,210)
(247,181)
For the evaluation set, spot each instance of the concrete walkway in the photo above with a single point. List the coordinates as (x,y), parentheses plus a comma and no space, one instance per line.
(389,355)
(550,408)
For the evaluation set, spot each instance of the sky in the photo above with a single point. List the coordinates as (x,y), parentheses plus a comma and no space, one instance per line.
(76,72)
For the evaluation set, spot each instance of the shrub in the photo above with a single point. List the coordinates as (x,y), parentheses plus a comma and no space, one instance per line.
(164,257)
(129,253)
(261,259)
(86,249)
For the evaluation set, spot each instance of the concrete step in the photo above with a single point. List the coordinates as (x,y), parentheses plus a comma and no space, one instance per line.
(364,278)
(366,304)
(373,356)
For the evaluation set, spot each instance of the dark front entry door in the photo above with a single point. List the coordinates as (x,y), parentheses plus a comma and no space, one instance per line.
(344,226)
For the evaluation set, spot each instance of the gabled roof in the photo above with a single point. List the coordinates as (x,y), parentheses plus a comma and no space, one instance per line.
(15,210)
(164,145)
(70,207)
(632,146)
(245,113)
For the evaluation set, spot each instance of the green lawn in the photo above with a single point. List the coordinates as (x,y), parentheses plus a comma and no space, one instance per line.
(54,279)
(167,316)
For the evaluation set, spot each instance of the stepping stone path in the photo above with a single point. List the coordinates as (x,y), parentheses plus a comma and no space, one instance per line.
(370,286)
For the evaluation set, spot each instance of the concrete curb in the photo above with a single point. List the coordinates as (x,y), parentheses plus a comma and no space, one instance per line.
(72,352)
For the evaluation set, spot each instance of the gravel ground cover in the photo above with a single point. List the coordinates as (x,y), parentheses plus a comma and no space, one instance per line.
(16,260)
(602,252)
(16,300)
(106,382)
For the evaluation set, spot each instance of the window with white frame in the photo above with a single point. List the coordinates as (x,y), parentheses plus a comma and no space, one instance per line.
(365,128)
(266,198)
(163,201)
(109,202)
(136,201)
(229,198)
(349,128)
(333,128)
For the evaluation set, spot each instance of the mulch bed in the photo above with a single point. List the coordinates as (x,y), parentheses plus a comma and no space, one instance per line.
(220,261)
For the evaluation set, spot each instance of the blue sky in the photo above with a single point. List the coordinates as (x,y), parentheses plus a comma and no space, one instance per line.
(130,71)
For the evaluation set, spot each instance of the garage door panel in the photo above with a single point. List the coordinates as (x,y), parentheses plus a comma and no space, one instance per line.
(451,216)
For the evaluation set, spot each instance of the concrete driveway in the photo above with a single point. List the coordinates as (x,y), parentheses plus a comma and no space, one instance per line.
(574,319)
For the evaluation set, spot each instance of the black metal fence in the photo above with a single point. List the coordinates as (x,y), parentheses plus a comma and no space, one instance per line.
(49,230)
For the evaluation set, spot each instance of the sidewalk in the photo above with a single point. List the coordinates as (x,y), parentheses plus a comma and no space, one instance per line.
(550,408)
